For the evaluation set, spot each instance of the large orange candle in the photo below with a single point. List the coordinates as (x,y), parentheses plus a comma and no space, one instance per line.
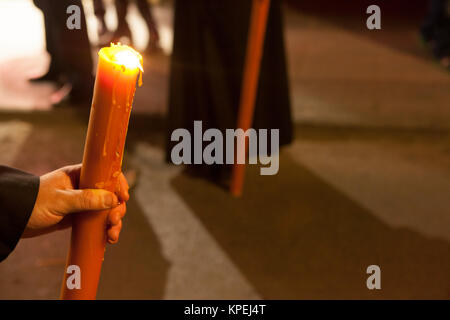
(115,84)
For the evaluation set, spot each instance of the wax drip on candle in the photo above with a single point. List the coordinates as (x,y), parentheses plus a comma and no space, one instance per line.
(140,78)
(141,71)
(116,76)
(100,185)
(127,104)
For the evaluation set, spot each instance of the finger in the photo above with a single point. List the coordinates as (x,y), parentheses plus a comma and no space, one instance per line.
(114,232)
(73,172)
(87,200)
(122,188)
(72,168)
(116,214)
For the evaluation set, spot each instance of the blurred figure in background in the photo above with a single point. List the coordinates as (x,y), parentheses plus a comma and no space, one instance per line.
(71,60)
(210,41)
(436,30)
(99,11)
(123,29)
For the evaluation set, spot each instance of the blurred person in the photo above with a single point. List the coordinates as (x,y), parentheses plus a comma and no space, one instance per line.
(99,11)
(123,29)
(210,41)
(435,30)
(32,206)
(70,52)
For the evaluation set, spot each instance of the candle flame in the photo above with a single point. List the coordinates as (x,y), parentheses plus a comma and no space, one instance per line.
(129,59)
(125,57)
(122,55)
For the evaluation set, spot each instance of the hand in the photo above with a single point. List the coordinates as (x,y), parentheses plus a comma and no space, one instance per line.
(59,196)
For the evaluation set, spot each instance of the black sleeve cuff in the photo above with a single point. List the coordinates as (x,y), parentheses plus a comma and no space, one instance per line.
(18,192)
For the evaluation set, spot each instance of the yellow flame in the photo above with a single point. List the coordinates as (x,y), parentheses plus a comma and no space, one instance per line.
(122,55)
(128,59)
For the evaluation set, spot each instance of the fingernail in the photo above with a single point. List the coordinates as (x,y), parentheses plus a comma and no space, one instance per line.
(110,200)
(112,240)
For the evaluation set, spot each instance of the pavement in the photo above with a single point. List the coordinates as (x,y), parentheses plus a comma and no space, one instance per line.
(365,182)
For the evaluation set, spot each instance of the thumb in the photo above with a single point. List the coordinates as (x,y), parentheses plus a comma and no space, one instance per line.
(89,200)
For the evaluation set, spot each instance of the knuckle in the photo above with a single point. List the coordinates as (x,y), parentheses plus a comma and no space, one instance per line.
(88,199)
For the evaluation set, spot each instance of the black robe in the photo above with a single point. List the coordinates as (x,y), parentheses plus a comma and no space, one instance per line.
(210,39)
(18,192)
(70,50)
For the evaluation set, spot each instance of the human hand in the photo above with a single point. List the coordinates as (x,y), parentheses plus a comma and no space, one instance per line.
(59,196)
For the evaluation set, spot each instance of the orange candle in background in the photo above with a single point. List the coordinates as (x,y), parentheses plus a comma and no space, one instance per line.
(118,69)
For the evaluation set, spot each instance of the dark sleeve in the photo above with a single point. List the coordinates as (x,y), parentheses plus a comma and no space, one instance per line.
(18,192)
